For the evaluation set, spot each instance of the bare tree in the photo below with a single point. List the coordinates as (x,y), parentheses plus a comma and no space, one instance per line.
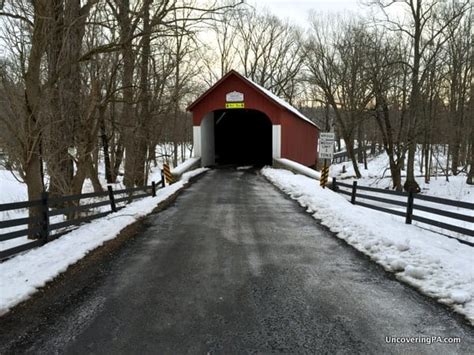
(29,137)
(388,80)
(269,52)
(336,58)
(422,15)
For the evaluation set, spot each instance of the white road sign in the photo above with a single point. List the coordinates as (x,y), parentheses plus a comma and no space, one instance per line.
(326,145)
(327,137)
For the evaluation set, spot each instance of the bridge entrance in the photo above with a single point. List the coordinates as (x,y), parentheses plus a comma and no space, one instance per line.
(242,137)
(237,121)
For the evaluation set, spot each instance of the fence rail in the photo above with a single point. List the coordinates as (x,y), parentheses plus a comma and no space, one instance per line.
(341,157)
(411,206)
(41,227)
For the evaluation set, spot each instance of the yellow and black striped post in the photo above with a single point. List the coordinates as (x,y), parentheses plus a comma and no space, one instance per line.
(324,175)
(167,173)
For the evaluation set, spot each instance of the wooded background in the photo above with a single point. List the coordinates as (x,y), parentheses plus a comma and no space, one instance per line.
(84,83)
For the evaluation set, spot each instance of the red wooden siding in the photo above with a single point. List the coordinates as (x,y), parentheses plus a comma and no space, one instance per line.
(298,137)
(254,99)
(299,140)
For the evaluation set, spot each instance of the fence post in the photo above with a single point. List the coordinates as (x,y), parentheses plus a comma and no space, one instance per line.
(411,197)
(153,189)
(44,217)
(334,184)
(354,192)
(112,198)
(163,183)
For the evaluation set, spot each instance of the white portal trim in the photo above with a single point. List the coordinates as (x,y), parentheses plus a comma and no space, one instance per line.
(276,141)
(197,141)
(208,151)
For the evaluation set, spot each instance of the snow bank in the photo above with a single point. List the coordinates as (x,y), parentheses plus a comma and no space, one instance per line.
(439,267)
(378,175)
(185,166)
(12,190)
(297,168)
(24,274)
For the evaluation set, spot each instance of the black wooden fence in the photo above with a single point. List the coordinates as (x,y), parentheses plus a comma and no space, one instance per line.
(41,227)
(340,157)
(410,205)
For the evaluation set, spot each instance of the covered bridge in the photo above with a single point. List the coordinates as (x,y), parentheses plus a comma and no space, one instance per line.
(237,121)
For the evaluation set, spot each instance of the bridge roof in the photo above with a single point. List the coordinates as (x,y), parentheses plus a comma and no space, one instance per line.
(272,97)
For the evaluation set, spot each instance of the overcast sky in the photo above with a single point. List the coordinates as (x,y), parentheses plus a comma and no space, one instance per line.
(297,10)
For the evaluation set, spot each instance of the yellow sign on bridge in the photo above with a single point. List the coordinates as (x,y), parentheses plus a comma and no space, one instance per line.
(235,105)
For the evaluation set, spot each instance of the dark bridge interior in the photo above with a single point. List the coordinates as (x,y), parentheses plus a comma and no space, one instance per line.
(242,137)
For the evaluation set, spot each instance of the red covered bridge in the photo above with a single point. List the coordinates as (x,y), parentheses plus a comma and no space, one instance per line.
(237,121)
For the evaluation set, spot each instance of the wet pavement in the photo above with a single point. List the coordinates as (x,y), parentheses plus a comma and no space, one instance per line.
(234,266)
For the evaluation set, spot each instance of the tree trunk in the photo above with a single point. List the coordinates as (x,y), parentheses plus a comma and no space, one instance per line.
(127,119)
(105,146)
(59,163)
(373,148)
(119,152)
(144,102)
(34,183)
(352,156)
(94,178)
(455,148)
(470,174)
(382,116)
(427,160)
(360,145)
(364,155)
(396,175)
(33,163)
(414,105)
(88,129)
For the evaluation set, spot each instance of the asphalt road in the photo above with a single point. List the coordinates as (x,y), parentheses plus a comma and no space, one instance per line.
(234,266)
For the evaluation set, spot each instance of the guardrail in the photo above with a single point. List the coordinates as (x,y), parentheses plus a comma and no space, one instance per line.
(410,206)
(42,226)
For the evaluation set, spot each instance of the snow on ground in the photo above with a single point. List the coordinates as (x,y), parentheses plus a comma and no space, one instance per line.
(11,190)
(24,274)
(378,175)
(439,267)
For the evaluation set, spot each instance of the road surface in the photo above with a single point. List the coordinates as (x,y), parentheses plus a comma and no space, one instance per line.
(234,266)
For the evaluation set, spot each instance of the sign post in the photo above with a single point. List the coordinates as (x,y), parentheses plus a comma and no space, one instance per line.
(326,152)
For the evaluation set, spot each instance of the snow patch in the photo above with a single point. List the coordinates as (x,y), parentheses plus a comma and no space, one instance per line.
(460,296)
(415,272)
